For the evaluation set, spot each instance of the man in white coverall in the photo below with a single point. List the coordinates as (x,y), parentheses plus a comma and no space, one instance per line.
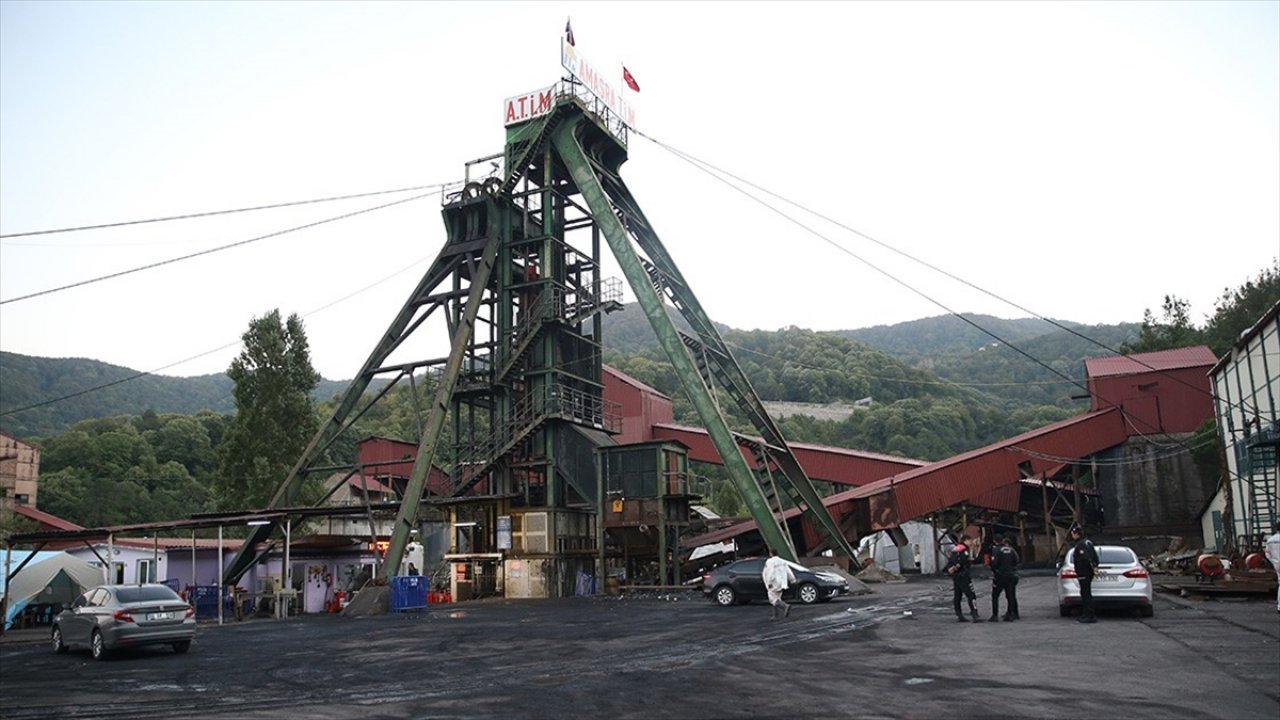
(777,577)
(1273,554)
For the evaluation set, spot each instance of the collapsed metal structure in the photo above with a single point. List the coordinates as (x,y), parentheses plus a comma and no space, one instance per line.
(518,420)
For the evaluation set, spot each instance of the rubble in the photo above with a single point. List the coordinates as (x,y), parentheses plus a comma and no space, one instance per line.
(873,573)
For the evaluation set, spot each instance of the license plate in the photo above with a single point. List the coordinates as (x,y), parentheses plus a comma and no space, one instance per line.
(160,616)
(1108,578)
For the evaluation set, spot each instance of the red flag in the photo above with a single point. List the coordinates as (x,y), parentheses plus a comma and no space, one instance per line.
(568,32)
(629,80)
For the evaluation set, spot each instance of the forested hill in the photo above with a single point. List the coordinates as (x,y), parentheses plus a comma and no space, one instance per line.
(27,380)
(945,347)
(955,350)
(909,360)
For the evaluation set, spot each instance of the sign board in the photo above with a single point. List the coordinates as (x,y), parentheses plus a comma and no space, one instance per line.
(528,106)
(504,532)
(576,63)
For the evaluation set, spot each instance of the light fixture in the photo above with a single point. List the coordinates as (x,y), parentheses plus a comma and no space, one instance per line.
(464,524)
(258,522)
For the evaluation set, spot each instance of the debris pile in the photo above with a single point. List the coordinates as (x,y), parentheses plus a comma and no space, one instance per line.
(873,573)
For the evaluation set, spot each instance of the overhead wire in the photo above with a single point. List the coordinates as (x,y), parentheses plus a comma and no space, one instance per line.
(701,165)
(212,213)
(697,162)
(720,175)
(220,348)
(210,251)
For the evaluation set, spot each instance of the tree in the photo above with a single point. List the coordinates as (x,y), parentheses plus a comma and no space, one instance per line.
(1173,329)
(275,415)
(1237,310)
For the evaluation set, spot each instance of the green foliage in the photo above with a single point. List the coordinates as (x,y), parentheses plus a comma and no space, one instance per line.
(275,414)
(108,471)
(1238,309)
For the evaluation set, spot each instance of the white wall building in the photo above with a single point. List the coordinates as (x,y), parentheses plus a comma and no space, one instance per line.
(1246,388)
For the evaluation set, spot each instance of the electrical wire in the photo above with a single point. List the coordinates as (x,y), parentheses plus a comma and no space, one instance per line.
(214,250)
(211,213)
(699,163)
(237,343)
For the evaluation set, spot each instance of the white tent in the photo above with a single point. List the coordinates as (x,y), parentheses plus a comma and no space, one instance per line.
(50,578)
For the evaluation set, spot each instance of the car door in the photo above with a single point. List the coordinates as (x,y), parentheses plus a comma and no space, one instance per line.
(76,624)
(747,577)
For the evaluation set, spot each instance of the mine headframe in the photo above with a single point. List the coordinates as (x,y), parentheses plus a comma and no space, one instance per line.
(520,292)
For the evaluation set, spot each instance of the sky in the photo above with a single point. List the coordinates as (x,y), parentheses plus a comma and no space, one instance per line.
(1077,161)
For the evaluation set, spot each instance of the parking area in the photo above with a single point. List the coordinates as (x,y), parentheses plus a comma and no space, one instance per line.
(897,653)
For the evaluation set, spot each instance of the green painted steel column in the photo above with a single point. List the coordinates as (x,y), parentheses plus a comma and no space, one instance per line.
(580,168)
(408,513)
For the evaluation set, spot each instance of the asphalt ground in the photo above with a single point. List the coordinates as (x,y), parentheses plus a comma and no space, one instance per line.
(896,653)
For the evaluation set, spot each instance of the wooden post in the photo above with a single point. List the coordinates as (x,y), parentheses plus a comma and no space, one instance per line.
(1075,487)
(1048,519)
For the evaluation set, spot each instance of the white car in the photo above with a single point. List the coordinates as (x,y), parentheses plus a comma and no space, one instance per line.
(1121,581)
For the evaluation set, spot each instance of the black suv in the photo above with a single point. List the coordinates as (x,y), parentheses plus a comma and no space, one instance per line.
(743,581)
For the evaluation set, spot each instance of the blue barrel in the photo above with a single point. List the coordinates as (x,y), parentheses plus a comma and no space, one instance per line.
(408,592)
(204,598)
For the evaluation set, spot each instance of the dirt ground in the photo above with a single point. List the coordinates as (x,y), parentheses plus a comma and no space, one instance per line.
(895,653)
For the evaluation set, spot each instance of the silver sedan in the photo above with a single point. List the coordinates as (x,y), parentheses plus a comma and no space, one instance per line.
(113,616)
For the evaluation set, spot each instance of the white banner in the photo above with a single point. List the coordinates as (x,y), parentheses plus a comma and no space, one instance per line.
(577,65)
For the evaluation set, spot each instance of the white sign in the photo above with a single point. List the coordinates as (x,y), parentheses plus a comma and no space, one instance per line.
(529,105)
(577,65)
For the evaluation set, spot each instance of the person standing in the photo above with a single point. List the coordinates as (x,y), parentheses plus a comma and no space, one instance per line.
(1273,554)
(1085,559)
(958,567)
(1004,578)
(777,578)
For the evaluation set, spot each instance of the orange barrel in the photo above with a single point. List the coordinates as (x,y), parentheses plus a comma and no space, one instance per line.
(1209,565)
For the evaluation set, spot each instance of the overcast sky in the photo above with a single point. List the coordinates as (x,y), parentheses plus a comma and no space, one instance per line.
(1081,160)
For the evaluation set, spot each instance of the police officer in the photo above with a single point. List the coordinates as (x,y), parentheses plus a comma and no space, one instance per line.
(961,583)
(1004,578)
(1085,559)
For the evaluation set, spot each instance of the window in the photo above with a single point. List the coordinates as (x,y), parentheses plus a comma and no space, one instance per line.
(21,499)
(147,571)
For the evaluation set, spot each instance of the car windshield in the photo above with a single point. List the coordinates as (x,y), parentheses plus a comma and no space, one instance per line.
(146,593)
(1115,556)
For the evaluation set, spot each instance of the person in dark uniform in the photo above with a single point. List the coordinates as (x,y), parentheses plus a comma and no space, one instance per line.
(1085,559)
(961,582)
(1004,578)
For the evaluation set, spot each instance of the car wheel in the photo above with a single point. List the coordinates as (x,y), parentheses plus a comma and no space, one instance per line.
(807,593)
(182,646)
(1147,611)
(724,596)
(58,647)
(98,646)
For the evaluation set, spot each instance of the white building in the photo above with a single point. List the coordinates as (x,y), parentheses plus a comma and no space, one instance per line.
(1246,388)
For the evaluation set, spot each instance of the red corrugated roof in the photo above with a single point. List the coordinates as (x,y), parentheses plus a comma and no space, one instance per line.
(45,518)
(633,382)
(1139,363)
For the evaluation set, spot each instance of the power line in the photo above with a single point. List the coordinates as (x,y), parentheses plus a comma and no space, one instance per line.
(211,213)
(138,375)
(696,162)
(700,165)
(213,250)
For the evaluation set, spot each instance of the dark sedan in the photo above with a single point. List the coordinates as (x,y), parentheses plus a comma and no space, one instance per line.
(112,616)
(743,581)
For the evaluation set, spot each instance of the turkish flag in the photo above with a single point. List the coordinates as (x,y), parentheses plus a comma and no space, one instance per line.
(629,80)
